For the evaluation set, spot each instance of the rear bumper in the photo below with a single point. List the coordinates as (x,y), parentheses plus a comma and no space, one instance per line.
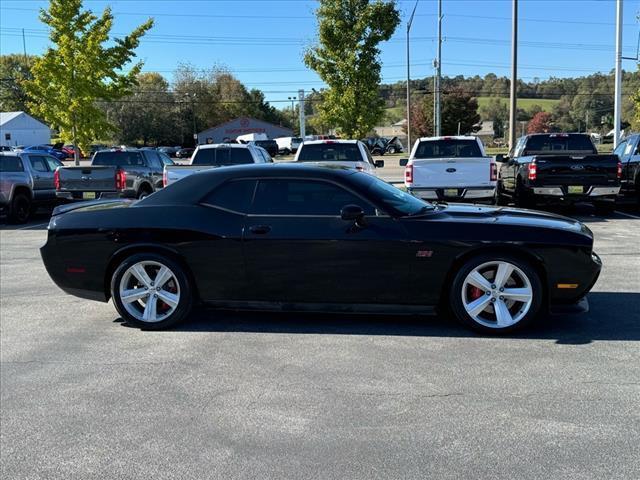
(486,193)
(78,196)
(590,192)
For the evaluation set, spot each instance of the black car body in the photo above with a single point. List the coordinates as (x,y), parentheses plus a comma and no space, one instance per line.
(311,238)
(185,153)
(628,151)
(128,173)
(558,168)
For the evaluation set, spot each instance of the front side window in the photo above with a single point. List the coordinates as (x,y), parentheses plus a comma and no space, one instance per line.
(620,149)
(165,159)
(235,195)
(304,197)
(53,163)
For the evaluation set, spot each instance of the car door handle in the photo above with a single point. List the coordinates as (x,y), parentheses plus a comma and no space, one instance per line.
(260,229)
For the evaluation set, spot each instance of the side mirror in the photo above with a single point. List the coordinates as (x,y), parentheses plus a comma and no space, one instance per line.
(379,163)
(403,162)
(500,158)
(353,213)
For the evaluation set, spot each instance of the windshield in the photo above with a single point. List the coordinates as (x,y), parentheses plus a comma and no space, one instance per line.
(449,148)
(397,201)
(330,152)
(117,158)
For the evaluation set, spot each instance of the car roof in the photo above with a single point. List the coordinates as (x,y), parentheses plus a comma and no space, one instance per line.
(223,145)
(448,137)
(327,141)
(191,188)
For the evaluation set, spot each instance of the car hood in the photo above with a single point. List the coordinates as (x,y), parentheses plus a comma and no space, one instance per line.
(508,216)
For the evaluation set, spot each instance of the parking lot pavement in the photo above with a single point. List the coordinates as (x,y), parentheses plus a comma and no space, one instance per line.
(254,395)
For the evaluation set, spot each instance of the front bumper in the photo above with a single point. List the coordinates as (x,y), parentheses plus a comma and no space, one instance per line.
(454,193)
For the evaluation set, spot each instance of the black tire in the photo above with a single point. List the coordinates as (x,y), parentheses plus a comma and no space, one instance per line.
(392,150)
(20,209)
(522,197)
(183,288)
(456,301)
(144,191)
(605,208)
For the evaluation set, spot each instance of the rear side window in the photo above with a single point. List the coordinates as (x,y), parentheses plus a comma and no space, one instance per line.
(11,164)
(559,143)
(304,197)
(222,156)
(235,195)
(117,158)
(53,163)
(330,152)
(448,148)
(38,163)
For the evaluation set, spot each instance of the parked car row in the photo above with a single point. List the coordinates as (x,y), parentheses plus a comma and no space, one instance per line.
(542,169)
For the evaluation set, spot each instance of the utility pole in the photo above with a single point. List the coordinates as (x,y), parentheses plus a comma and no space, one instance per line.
(437,110)
(617,109)
(24,46)
(409,79)
(514,76)
(293,111)
(301,110)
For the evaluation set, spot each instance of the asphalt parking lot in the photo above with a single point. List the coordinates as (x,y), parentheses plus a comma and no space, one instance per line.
(254,395)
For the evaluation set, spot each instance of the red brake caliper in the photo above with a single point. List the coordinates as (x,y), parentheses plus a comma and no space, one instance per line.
(475,293)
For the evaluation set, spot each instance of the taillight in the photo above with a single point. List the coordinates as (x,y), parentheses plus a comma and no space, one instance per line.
(493,172)
(408,173)
(165,179)
(56,179)
(121,179)
(533,171)
(619,171)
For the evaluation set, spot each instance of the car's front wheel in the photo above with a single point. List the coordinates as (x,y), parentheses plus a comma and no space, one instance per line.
(496,294)
(151,291)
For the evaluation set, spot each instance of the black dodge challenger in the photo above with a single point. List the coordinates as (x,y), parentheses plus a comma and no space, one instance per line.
(297,237)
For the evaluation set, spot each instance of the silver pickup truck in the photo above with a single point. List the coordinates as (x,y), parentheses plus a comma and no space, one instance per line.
(26,182)
(216,155)
(127,173)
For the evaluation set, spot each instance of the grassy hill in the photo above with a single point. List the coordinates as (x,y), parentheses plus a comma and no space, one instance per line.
(525,103)
(395,114)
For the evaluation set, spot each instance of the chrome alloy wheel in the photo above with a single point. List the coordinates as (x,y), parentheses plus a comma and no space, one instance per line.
(497,294)
(149,291)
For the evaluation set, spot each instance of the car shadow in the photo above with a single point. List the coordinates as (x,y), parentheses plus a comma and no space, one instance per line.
(38,221)
(612,316)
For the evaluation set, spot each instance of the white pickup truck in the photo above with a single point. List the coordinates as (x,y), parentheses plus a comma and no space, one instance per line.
(450,169)
(346,153)
(216,155)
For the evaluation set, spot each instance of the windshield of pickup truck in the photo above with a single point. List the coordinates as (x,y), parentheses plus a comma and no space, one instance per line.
(448,149)
(559,143)
(222,156)
(330,152)
(117,158)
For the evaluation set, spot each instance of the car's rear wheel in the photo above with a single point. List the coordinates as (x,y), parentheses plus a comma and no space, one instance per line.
(496,294)
(144,191)
(20,209)
(151,291)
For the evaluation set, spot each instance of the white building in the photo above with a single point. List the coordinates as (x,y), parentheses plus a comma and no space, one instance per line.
(18,128)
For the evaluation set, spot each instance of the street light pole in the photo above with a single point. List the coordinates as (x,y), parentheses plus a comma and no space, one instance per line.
(409,80)
(293,111)
(437,110)
(514,76)
(617,106)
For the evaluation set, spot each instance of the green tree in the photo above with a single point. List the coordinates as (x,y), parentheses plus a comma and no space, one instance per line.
(15,70)
(459,112)
(79,70)
(347,60)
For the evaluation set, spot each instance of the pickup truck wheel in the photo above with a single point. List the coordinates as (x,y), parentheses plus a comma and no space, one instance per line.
(151,291)
(143,192)
(522,198)
(20,209)
(392,150)
(496,294)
